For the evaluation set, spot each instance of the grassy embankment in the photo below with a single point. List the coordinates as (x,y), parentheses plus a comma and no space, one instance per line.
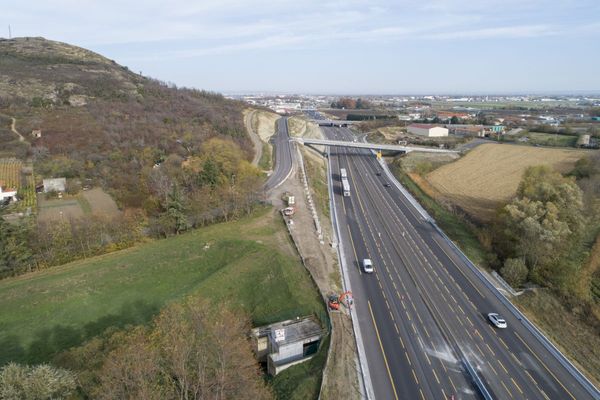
(453,225)
(265,163)
(317,177)
(248,264)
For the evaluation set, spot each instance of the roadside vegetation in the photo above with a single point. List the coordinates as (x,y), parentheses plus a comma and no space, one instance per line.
(108,303)
(317,177)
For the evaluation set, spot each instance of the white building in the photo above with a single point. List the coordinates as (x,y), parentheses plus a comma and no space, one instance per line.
(6,193)
(287,343)
(428,130)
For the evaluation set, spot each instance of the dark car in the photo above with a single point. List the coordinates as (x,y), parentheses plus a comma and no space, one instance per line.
(386,184)
(378,173)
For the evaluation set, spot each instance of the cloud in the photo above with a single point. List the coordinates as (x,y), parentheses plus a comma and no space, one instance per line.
(229,26)
(504,32)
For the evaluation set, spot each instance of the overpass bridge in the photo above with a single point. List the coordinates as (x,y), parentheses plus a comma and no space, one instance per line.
(372,146)
(333,123)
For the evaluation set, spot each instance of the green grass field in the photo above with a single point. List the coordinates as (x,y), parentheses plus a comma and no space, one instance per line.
(248,264)
(549,139)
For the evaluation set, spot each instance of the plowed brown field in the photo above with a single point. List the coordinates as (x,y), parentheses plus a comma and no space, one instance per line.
(488,176)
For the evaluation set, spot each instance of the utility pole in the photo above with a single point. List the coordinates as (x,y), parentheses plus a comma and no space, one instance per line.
(9,33)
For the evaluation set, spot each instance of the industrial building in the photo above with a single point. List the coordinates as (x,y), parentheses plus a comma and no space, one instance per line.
(428,130)
(283,344)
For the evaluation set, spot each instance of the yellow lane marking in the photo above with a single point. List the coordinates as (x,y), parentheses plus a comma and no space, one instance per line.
(415,376)
(422,395)
(503,367)
(503,342)
(507,391)
(479,348)
(493,369)
(488,346)
(515,383)
(436,377)
(426,331)
(382,351)
(452,383)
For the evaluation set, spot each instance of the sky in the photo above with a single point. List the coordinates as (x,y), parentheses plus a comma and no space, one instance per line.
(333,46)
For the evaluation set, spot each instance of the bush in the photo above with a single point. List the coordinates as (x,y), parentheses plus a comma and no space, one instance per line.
(514,271)
(38,382)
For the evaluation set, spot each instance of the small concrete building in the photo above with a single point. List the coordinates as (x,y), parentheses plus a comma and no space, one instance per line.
(283,344)
(584,140)
(55,185)
(429,130)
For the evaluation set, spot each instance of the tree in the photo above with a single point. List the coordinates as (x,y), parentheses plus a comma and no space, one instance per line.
(40,382)
(542,184)
(541,223)
(454,120)
(514,271)
(15,254)
(194,350)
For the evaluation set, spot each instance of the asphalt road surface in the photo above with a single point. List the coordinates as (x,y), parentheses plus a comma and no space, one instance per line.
(283,155)
(423,311)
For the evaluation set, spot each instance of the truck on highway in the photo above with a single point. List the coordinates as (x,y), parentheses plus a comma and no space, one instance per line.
(343,173)
(345,187)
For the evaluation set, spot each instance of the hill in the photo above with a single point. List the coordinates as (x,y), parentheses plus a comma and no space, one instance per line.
(172,158)
(101,122)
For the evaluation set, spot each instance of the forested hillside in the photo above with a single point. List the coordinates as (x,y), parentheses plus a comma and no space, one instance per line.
(172,158)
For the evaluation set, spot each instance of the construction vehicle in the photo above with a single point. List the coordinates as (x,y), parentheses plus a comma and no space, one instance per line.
(288,211)
(335,300)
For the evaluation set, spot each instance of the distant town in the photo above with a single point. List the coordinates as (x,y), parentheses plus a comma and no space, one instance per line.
(505,118)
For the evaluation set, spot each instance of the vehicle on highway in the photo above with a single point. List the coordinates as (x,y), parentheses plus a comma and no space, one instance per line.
(386,184)
(378,173)
(367,265)
(497,320)
(343,173)
(346,187)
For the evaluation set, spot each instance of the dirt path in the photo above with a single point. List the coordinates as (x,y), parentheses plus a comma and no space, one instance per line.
(340,377)
(256,142)
(13,128)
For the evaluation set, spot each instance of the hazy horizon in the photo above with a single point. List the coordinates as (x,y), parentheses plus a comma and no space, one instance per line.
(332,47)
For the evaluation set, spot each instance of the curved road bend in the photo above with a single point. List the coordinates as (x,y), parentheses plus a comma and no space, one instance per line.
(283,155)
(423,310)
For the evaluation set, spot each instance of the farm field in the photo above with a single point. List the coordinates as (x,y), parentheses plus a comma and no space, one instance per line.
(12,177)
(489,175)
(94,202)
(549,139)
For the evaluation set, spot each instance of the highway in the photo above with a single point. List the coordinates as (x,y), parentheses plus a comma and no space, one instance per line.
(422,313)
(283,155)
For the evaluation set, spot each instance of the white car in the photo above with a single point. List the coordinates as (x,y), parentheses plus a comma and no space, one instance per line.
(367,266)
(497,320)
